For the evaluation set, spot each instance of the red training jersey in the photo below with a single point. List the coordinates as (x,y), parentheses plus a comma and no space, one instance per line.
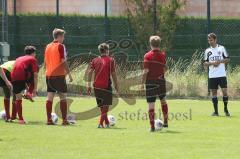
(24,68)
(154,62)
(103,66)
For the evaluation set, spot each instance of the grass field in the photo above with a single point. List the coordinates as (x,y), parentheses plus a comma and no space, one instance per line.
(192,136)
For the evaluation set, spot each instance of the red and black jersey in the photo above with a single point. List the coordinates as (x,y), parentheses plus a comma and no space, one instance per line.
(24,68)
(103,66)
(154,62)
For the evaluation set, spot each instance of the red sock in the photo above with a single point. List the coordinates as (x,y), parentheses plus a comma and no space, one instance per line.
(165,113)
(105,114)
(14,111)
(151,117)
(63,107)
(101,120)
(7,107)
(49,109)
(19,109)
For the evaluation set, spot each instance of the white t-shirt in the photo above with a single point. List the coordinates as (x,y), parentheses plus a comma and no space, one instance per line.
(216,54)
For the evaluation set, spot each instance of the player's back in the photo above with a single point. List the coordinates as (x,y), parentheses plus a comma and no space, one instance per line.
(103,66)
(23,67)
(155,61)
(54,53)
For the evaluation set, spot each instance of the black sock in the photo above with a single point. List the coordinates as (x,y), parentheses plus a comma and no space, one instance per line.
(225,101)
(215,104)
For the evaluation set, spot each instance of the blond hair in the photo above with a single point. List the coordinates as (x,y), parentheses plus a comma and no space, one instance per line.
(103,48)
(155,41)
(58,32)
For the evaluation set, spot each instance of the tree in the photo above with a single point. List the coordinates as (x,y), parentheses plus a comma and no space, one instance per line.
(141,17)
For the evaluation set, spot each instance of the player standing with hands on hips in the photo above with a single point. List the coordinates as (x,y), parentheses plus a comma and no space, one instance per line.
(215,58)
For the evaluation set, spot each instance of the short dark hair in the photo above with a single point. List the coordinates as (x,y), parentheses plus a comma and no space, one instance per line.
(58,32)
(212,35)
(155,41)
(29,50)
(103,48)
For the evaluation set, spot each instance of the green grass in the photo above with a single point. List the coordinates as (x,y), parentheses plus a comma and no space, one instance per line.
(201,137)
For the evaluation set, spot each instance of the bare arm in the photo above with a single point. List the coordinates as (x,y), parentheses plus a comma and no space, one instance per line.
(35,83)
(144,76)
(225,61)
(67,69)
(3,76)
(115,81)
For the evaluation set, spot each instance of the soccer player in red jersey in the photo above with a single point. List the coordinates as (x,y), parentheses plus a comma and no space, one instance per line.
(24,71)
(56,71)
(104,68)
(153,78)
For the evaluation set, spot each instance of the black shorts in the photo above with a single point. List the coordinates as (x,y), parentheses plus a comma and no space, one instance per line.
(154,89)
(103,96)
(8,75)
(19,86)
(215,82)
(56,84)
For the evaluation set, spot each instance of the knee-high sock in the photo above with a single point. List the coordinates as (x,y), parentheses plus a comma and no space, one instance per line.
(14,111)
(101,120)
(151,114)
(225,101)
(19,109)
(7,107)
(63,107)
(215,104)
(49,110)
(105,114)
(165,112)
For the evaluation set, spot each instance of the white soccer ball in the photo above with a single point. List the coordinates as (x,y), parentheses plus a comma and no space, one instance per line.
(112,120)
(54,118)
(71,118)
(3,115)
(158,124)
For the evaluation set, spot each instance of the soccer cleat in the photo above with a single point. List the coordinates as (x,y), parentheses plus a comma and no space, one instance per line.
(8,120)
(215,114)
(227,113)
(165,125)
(108,126)
(100,126)
(28,96)
(152,129)
(50,122)
(65,123)
(22,122)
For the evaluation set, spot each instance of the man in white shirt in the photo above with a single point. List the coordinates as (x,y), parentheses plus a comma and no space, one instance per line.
(215,58)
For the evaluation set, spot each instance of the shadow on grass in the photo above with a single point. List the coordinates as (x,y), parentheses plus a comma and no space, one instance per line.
(169,132)
(36,123)
(114,128)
